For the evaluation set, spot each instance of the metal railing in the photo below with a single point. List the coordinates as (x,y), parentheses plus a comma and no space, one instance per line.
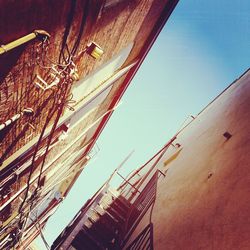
(144,240)
(140,199)
(140,206)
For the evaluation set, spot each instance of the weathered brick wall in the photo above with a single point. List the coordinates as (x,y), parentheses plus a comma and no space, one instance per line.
(113,30)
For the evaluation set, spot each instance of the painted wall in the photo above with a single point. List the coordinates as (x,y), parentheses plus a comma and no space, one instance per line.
(204,202)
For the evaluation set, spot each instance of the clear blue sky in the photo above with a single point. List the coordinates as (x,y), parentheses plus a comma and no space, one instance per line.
(203,48)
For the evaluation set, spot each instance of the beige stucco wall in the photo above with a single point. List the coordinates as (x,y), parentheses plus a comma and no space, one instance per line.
(204,200)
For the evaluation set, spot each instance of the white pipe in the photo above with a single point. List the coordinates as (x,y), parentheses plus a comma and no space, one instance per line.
(10,121)
(27,111)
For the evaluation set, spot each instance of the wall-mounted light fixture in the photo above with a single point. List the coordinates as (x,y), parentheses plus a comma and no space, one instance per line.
(94,50)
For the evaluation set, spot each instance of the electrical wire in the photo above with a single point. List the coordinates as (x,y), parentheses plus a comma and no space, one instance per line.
(99,119)
(67,30)
(44,57)
(39,228)
(59,108)
(32,119)
(24,130)
(62,102)
(82,26)
(69,22)
(49,116)
(73,51)
(51,112)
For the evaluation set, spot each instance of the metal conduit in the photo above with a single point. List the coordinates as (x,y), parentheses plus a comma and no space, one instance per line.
(40,34)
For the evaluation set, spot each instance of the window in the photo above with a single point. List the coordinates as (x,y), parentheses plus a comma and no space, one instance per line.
(89,85)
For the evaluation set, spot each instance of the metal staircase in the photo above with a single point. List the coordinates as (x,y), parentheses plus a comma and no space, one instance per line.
(108,219)
(104,224)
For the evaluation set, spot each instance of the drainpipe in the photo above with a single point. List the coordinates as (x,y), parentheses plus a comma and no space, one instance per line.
(40,34)
(27,111)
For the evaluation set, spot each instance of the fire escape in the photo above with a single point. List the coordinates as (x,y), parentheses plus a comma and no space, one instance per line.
(109,218)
